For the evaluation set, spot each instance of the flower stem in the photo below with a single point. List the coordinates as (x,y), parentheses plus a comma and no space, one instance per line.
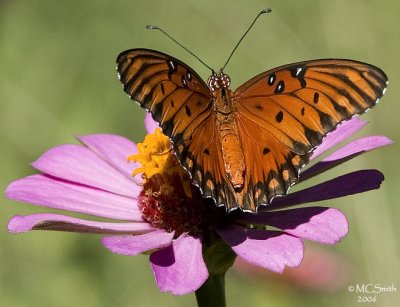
(212,292)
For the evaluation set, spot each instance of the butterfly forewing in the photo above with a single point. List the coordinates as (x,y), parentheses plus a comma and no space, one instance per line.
(301,102)
(174,94)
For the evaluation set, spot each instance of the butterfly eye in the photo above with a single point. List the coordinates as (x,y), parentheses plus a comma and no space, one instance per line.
(227,80)
(213,82)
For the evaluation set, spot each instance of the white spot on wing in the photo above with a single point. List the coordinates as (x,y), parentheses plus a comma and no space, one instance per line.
(172,64)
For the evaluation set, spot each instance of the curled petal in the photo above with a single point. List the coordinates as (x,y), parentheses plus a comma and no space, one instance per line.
(51,192)
(320,224)
(135,244)
(113,149)
(79,164)
(346,153)
(179,268)
(272,250)
(349,184)
(49,221)
(150,123)
(341,133)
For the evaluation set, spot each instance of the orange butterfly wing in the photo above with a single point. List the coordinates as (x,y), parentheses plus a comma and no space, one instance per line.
(201,155)
(174,94)
(284,113)
(182,103)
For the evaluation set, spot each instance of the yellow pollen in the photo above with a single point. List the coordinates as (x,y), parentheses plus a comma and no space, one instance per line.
(159,163)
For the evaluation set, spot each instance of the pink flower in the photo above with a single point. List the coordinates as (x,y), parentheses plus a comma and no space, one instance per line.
(95,179)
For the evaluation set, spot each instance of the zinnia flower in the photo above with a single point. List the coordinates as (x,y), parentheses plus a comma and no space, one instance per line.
(158,211)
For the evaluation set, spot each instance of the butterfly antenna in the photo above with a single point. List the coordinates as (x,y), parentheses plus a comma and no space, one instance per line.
(151,27)
(245,33)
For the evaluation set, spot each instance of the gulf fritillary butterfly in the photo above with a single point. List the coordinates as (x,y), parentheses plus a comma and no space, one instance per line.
(242,148)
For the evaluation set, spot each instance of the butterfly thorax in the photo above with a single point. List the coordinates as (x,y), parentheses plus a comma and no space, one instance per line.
(224,111)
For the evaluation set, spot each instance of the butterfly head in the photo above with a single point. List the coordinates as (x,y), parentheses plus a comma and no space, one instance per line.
(219,80)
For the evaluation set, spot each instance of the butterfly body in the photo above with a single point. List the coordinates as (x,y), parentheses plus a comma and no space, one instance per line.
(224,111)
(242,148)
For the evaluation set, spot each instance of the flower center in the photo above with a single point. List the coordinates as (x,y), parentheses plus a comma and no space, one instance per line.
(168,199)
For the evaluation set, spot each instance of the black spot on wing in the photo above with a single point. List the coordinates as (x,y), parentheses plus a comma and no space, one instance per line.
(184,82)
(167,127)
(157,110)
(280,87)
(188,111)
(298,73)
(326,121)
(300,148)
(172,68)
(279,116)
(271,79)
(314,137)
(316,97)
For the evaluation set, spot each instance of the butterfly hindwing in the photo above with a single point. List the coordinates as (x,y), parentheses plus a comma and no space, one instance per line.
(271,167)
(201,156)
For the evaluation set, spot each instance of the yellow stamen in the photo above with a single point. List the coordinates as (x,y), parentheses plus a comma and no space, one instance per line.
(158,162)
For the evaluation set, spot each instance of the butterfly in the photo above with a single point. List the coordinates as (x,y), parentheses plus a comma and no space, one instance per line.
(242,148)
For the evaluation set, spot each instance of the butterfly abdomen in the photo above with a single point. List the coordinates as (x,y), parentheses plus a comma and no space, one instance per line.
(232,152)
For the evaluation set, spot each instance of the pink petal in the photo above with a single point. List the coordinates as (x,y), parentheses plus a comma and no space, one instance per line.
(50,221)
(134,245)
(81,165)
(150,123)
(360,145)
(346,153)
(321,224)
(341,133)
(272,250)
(180,268)
(51,192)
(348,184)
(114,149)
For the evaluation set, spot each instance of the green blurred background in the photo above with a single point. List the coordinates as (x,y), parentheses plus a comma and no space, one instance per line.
(58,78)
